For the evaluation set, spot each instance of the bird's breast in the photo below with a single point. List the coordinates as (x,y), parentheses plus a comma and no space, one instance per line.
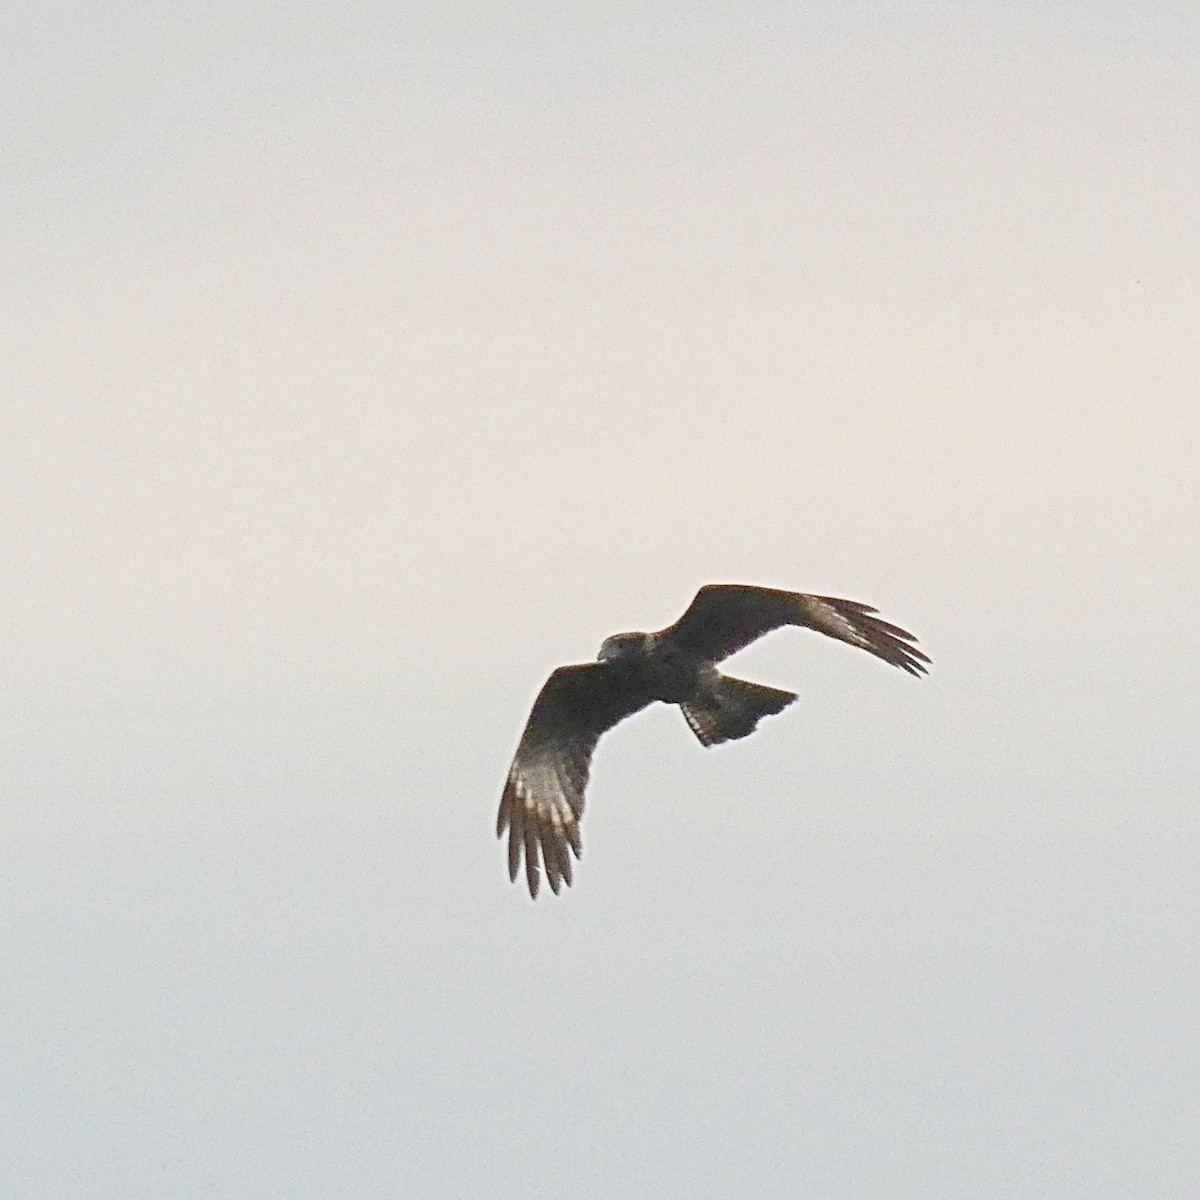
(675,676)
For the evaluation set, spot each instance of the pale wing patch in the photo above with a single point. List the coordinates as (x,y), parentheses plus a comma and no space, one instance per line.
(546,795)
(541,809)
(860,625)
(827,618)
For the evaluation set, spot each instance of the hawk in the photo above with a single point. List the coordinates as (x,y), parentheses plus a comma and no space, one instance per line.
(543,797)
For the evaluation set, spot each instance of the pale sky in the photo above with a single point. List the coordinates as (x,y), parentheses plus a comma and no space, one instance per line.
(361,366)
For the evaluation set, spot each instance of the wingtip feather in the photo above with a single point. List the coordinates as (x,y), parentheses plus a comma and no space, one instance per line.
(533,876)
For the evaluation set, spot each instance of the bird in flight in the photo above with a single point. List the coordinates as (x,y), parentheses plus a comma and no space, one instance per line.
(543,797)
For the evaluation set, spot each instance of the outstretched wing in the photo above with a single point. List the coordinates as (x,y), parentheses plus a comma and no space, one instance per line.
(725,617)
(543,797)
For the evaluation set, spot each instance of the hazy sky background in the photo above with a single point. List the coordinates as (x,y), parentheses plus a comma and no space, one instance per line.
(361,365)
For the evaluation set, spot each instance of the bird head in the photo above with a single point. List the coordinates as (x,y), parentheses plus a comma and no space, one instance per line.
(624,645)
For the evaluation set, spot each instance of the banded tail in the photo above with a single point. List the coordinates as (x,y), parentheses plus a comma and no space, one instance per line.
(732,708)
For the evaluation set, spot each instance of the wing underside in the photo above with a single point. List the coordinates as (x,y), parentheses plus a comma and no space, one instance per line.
(543,800)
(725,618)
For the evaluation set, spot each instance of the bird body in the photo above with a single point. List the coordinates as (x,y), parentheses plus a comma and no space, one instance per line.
(543,797)
(651,662)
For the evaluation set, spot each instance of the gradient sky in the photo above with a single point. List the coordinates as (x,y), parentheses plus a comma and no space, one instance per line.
(360,367)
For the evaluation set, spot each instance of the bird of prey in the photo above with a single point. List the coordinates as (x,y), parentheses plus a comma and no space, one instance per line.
(543,797)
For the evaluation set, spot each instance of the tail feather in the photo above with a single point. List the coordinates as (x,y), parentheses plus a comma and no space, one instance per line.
(732,708)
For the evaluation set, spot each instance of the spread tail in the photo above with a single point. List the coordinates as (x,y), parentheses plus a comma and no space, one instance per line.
(732,708)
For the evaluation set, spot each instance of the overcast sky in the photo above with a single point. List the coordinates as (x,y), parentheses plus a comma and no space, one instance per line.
(361,365)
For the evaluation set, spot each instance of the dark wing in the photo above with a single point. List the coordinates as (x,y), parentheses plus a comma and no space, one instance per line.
(543,797)
(725,617)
